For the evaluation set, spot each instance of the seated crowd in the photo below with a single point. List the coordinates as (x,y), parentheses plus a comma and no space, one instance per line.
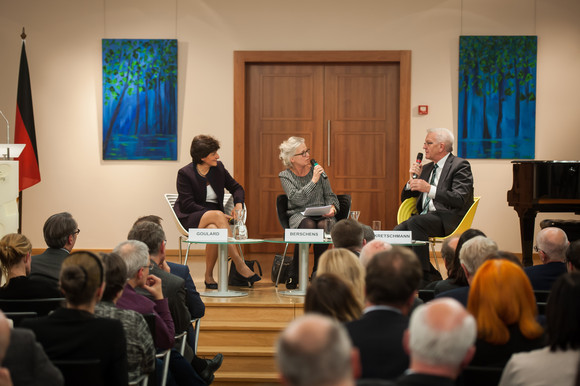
(116,313)
(488,324)
(364,322)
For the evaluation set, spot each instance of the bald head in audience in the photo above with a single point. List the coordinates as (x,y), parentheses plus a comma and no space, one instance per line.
(552,243)
(316,350)
(372,248)
(440,339)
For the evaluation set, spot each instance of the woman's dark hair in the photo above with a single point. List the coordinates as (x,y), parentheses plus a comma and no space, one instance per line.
(115,275)
(456,272)
(563,313)
(202,146)
(505,255)
(329,295)
(81,275)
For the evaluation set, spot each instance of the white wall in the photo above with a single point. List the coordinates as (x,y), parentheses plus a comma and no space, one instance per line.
(63,46)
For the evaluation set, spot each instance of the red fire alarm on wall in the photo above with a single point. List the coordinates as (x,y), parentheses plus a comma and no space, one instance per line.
(423,109)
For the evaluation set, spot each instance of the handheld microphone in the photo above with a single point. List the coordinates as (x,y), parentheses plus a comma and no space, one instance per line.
(419,160)
(314,163)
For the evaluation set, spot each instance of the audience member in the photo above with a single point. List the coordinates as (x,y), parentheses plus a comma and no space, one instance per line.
(440,342)
(551,245)
(347,266)
(5,378)
(15,258)
(368,233)
(456,273)
(136,256)
(444,192)
(391,284)
(372,248)
(503,304)
(315,350)
(471,256)
(348,234)
(60,234)
(74,332)
(557,363)
(573,256)
(194,302)
(140,348)
(25,358)
(330,295)
(447,253)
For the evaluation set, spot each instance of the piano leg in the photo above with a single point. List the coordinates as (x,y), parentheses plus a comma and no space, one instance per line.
(527,222)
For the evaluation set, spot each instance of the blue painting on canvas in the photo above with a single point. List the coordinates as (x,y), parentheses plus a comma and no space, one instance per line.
(139,99)
(497,97)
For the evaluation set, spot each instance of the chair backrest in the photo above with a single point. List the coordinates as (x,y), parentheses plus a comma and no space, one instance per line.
(41,306)
(406,209)
(18,317)
(481,375)
(465,224)
(426,294)
(86,372)
(281,207)
(171,198)
(344,201)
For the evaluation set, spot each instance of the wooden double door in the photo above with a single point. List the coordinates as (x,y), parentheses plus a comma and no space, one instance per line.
(349,116)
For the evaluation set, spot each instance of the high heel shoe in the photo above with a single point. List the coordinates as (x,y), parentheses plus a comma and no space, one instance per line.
(210,285)
(252,279)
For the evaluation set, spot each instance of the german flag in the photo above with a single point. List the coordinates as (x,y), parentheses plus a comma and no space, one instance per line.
(29,173)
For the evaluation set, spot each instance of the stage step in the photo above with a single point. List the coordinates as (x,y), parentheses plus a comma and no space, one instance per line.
(246,334)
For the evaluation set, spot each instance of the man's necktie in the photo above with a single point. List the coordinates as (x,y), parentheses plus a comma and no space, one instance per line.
(432,182)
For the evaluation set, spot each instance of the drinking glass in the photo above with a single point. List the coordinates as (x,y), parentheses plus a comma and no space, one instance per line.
(376,225)
(354,214)
(327,229)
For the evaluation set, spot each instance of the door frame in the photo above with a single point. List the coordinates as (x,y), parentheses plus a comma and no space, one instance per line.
(244,58)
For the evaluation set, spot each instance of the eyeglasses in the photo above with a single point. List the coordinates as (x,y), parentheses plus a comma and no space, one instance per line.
(303,154)
(150,266)
(76,232)
(537,249)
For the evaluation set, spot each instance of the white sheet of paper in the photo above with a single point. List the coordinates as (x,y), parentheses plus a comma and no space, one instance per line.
(317,210)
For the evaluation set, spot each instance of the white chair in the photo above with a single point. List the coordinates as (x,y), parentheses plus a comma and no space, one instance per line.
(172,197)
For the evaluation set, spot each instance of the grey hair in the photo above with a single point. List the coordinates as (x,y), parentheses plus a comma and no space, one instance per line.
(288,149)
(444,136)
(473,253)
(314,355)
(440,348)
(135,254)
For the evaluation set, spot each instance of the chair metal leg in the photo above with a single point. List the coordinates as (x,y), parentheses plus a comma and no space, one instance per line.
(281,264)
(180,255)
(187,253)
(434,255)
(196,333)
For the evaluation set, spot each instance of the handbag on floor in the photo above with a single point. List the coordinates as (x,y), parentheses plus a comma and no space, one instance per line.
(235,279)
(285,262)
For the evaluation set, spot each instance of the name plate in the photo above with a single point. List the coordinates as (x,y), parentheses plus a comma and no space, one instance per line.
(208,235)
(303,235)
(394,237)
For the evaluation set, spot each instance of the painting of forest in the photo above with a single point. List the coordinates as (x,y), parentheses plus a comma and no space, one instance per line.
(139,99)
(497,97)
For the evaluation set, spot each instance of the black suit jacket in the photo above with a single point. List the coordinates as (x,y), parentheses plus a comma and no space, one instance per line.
(46,266)
(543,276)
(416,379)
(74,334)
(190,204)
(378,335)
(454,195)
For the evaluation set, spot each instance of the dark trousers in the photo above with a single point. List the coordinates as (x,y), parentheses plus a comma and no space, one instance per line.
(308,223)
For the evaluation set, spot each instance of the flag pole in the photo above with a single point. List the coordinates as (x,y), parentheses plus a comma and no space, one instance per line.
(23,36)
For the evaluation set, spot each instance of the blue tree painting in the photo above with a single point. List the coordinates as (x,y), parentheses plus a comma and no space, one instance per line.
(139,99)
(497,97)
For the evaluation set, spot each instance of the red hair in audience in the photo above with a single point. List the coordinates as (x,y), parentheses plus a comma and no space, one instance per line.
(501,295)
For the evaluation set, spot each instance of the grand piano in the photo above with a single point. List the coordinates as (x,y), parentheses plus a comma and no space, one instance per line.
(542,186)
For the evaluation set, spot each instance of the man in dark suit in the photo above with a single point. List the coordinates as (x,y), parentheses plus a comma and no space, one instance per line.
(348,234)
(440,341)
(60,234)
(551,245)
(444,191)
(391,282)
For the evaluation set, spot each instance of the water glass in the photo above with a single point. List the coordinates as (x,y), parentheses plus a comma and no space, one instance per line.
(354,214)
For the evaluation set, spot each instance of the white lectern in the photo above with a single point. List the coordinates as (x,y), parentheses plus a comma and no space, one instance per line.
(9,187)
